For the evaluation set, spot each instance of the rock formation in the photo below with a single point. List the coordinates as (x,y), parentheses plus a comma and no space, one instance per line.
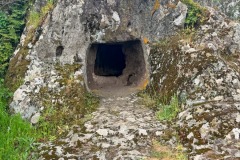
(202,68)
(204,71)
(229,7)
(74,32)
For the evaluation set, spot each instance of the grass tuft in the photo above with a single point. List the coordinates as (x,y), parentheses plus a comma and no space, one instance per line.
(168,111)
(165,110)
(196,14)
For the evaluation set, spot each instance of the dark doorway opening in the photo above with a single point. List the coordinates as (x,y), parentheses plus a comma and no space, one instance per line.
(110,60)
(116,68)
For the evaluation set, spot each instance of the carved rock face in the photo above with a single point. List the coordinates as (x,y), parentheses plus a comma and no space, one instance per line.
(75,27)
(80,37)
(115,65)
(78,24)
(72,35)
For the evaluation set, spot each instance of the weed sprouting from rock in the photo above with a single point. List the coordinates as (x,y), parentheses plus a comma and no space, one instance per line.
(196,14)
(168,111)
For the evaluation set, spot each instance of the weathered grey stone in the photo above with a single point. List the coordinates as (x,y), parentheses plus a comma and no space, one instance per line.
(237,155)
(105,145)
(180,20)
(35,118)
(142,132)
(87,17)
(230,7)
(102,132)
(236,132)
(75,27)
(238,118)
(210,94)
(122,138)
(39,4)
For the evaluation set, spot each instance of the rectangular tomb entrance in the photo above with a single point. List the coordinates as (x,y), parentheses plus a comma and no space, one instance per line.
(116,67)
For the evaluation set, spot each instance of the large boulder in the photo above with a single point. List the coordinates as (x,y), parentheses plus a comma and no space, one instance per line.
(82,33)
(203,70)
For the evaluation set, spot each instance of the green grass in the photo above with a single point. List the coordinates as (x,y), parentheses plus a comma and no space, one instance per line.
(168,111)
(56,120)
(165,110)
(35,18)
(16,135)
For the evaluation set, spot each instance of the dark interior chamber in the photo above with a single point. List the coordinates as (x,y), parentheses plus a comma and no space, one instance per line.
(115,66)
(110,60)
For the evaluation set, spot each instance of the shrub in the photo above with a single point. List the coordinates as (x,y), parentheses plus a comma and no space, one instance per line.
(195,15)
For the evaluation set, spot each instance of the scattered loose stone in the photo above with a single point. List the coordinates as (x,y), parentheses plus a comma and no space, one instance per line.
(102,132)
(142,132)
(35,118)
(110,136)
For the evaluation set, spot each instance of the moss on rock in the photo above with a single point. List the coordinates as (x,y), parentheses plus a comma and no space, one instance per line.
(17,69)
(68,106)
(173,68)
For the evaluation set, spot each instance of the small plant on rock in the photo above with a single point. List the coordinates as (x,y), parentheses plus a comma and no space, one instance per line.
(165,110)
(196,14)
(168,111)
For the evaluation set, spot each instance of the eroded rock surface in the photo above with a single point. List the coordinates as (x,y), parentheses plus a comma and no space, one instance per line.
(230,7)
(120,129)
(204,70)
(71,28)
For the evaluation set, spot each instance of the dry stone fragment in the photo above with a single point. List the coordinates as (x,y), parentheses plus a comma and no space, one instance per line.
(102,132)
(35,118)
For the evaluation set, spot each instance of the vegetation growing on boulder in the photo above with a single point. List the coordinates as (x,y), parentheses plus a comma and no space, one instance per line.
(160,151)
(170,111)
(36,18)
(164,110)
(69,106)
(16,135)
(196,14)
(166,58)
